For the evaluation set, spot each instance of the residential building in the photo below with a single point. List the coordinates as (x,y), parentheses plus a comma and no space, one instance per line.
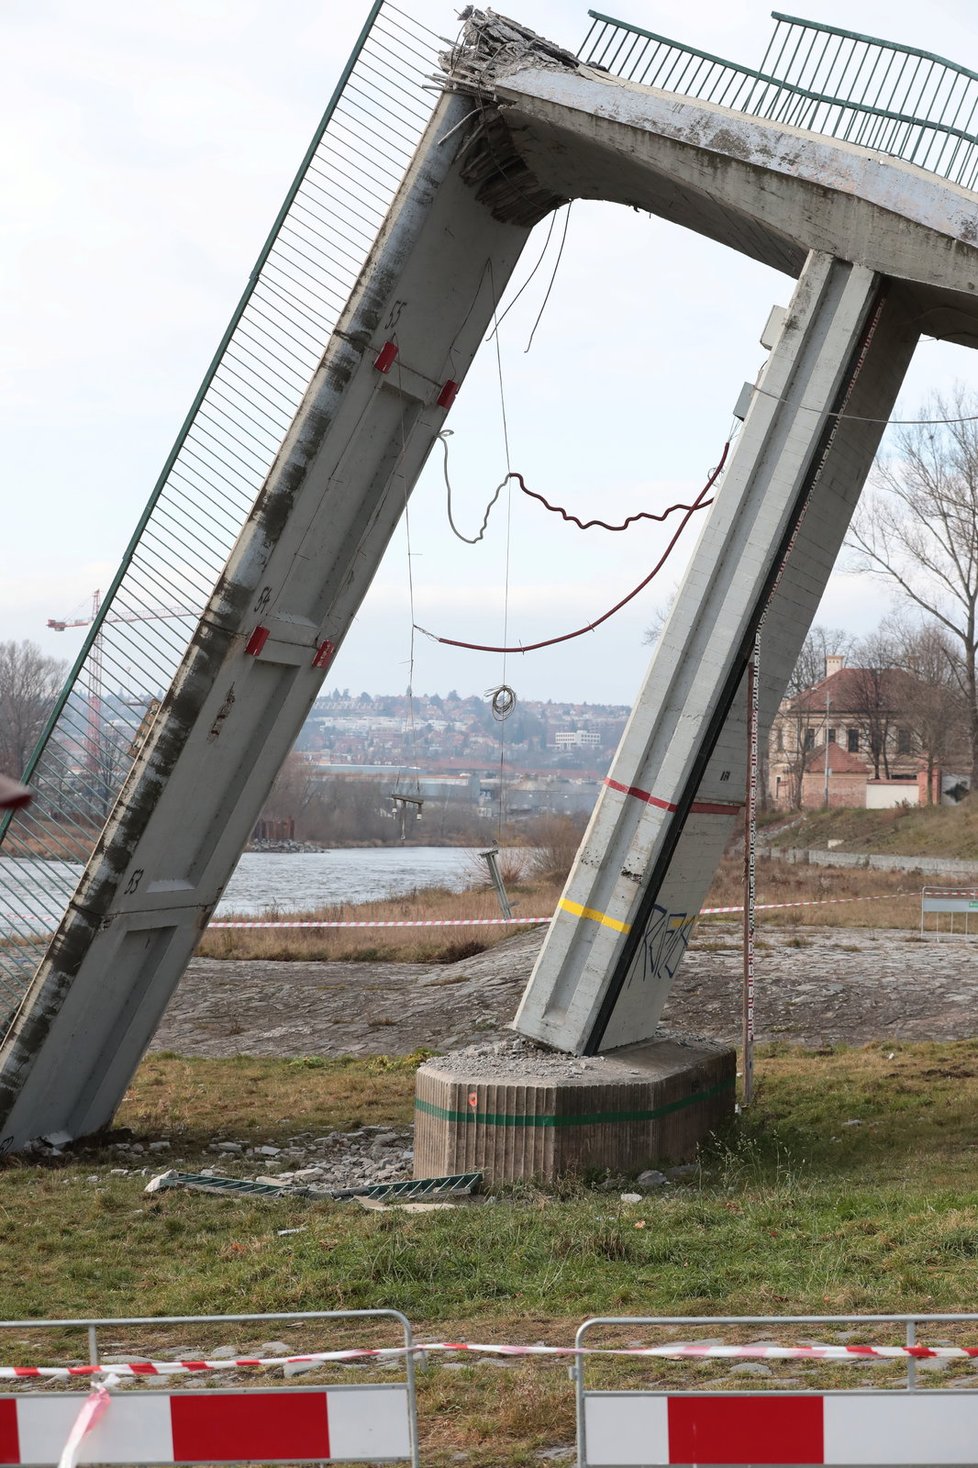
(848,741)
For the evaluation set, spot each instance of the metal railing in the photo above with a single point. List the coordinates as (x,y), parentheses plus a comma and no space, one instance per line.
(963,900)
(275,340)
(875,94)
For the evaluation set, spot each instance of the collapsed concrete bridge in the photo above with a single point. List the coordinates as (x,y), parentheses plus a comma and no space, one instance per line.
(867,203)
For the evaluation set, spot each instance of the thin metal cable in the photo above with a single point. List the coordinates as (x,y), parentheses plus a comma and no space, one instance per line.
(855,418)
(412,731)
(529,278)
(509,526)
(553,278)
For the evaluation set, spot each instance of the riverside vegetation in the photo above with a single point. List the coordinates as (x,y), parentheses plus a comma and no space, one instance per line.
(891,900)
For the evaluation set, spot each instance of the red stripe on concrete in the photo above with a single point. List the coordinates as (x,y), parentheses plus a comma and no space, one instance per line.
(698,808)
(639,794)
(249,1426)
(763,1429)
(9,1435)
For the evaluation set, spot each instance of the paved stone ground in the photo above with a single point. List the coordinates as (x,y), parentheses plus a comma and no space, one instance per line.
(814,985)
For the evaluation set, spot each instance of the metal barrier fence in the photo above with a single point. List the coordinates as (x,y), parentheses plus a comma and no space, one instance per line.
(873,93)
(616,1428)
(951,901)
(139,631)
(623,1428)
(366,1422)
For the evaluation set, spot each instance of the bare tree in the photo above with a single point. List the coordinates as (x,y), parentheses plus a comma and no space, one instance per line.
(935,708)
(918,529)
(796,724)
(876,694)
(29,682)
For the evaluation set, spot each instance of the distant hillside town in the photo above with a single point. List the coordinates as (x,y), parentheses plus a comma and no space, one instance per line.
(389,760)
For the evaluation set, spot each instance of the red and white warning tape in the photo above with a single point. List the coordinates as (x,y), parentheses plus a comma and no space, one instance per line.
(507,922)
(391,923)
(813,902)
(674,1352)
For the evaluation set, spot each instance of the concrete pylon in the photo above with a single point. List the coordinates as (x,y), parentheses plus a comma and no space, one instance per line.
(675,789)
(281,609)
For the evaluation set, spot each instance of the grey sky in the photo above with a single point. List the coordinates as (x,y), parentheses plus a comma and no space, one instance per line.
(149,148)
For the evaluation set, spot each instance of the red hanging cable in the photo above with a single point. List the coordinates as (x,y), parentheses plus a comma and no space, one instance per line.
(602,524)
(699,503)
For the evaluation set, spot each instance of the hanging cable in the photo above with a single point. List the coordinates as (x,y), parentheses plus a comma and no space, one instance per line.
(553,278)
(533,494)
(699,503)
(501,813)
(855,418)
(444,436)
(502,701)
(399,799)
(529,278)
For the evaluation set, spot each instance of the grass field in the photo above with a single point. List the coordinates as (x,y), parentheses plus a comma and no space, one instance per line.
(907,830)
(850,1186)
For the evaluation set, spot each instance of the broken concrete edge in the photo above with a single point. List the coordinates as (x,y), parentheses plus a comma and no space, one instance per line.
(493,46)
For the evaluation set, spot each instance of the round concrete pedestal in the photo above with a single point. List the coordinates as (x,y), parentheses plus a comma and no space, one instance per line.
(513,1110)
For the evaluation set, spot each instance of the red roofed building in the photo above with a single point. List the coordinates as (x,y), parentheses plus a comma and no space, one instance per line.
(853,730)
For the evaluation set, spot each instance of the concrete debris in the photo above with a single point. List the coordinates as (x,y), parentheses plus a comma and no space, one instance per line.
(651,1179)
(494,46)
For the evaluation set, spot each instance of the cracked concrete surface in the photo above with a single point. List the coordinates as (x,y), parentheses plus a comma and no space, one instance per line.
(814,986)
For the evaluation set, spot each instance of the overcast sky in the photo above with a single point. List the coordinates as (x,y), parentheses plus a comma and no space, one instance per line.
(149,146)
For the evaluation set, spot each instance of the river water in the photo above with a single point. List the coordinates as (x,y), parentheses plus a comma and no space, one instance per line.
(285,881)
(323,878)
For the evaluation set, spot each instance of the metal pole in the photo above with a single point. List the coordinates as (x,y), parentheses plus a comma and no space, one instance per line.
(490,859)
(750,868)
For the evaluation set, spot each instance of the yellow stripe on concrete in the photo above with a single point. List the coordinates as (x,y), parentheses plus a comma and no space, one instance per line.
(594,915)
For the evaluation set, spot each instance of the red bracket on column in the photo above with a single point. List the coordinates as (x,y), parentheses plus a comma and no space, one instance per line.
(257,641)
(386,357)
(448,394)
(324,654)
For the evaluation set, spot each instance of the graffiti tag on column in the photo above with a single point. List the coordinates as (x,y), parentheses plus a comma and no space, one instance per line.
(664,943)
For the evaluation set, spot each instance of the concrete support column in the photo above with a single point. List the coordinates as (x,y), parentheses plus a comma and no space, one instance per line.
(280,611)
(676,787)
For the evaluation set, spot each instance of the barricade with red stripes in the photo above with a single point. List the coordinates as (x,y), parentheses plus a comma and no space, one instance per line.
(376,1421)
(638,1428)
(369,1422)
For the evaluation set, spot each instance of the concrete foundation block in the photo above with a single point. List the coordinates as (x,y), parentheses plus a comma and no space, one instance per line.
(524,1114)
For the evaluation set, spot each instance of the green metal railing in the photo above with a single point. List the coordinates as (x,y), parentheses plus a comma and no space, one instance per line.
(875,94)
(223,452)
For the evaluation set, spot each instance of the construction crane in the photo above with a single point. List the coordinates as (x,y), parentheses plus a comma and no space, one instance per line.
(93,737)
